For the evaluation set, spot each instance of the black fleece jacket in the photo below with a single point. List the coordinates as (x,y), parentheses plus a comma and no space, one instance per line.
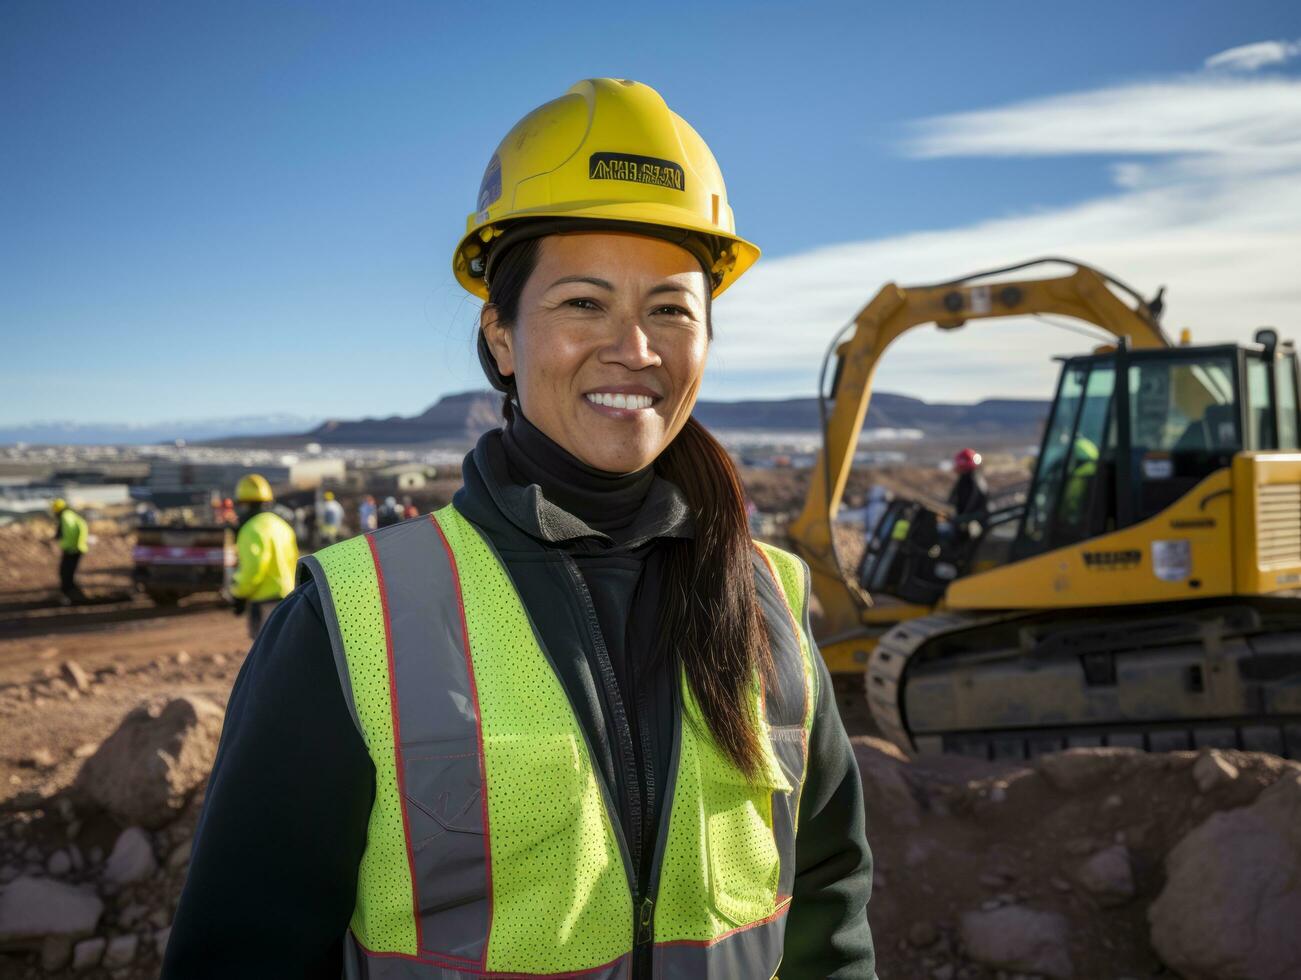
(274,867)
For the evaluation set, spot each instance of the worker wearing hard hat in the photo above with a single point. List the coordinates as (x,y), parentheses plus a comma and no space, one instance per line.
(72,535)
(268,552)
(969,497)
(1081,468)
(331,519)
(573,723)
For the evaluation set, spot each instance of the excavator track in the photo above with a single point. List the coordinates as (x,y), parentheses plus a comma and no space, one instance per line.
(1157,678)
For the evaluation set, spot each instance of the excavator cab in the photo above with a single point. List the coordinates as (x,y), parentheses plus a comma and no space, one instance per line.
(1131,432)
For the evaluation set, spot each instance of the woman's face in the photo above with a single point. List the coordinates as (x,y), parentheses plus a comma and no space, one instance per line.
(609,346)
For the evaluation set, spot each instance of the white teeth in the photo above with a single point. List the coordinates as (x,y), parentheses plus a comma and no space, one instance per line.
(620,400)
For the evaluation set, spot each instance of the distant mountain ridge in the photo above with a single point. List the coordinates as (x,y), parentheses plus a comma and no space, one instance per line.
(465,415)
(461,417)
(65,433)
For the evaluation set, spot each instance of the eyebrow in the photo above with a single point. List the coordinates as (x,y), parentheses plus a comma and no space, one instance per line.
(591,280)
(666,287)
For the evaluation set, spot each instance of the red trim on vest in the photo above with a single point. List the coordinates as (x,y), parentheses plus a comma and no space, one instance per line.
(783,906)
(397,734)
(491,974)
(478,724)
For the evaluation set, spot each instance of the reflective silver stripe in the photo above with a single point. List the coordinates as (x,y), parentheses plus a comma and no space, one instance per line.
(437,714)
(359,964)
(751,953)
(785,704)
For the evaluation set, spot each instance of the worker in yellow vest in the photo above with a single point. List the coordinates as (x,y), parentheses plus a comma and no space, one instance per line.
(268,553)
(574,723)
(72,535)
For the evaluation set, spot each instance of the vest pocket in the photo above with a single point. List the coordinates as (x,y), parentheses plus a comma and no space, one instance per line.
(744,861)
(535,794)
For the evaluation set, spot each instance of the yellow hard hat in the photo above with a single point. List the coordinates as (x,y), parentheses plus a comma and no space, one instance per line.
(329,494)
(253,489)
(607,152)
(58,505)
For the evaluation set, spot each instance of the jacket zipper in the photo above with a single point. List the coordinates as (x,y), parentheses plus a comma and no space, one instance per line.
(642,901)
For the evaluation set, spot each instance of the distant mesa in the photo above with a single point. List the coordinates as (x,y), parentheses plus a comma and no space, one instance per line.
(459,419)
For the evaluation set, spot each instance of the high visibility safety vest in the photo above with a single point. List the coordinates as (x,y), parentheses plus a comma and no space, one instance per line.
(268,553)
(492,850)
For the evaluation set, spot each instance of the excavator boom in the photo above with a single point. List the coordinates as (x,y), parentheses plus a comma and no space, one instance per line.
(1083,295)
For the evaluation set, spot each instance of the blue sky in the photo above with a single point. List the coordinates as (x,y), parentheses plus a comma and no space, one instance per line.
(220,209)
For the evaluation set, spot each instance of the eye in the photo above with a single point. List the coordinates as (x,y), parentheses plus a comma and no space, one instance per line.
(672,310)
(582,303)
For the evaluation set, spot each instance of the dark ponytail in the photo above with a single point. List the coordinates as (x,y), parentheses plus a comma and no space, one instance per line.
(709,618)
(709,611)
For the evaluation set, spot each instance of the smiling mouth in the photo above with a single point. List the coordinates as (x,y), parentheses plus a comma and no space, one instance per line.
(608,399)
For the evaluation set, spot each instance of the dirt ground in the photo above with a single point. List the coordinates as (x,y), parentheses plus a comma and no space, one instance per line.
(950,835)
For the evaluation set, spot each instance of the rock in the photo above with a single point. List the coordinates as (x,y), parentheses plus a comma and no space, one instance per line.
(56,953)
(1060,884)
(182,658)
(885,784)
(1211,770)
(160,940)
(143,774)
(121,951)
(59,864)
(922,933)
(41,758)
(1019,938)
(87,953)
(132,914)
(1079,769)
(1232,898)
(132,858)
(942,972)
(1108,875)
(989,904)
(32,909)
(180,854)
(8,873)
(77,677)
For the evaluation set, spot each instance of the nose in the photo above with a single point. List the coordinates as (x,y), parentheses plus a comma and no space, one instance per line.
(631,348)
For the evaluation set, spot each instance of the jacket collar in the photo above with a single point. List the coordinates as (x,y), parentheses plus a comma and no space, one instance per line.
(490,499)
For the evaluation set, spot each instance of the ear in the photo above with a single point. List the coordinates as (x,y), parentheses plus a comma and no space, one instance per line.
(499,339)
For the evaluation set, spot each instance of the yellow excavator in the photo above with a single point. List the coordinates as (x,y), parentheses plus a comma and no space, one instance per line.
(1147,593)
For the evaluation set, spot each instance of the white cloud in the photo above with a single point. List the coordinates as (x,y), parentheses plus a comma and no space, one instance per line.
(1211,209)
(1252,57)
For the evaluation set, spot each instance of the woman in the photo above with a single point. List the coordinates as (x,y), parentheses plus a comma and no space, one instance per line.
(573,724)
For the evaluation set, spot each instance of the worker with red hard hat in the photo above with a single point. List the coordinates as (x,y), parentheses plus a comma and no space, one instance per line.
(970,494)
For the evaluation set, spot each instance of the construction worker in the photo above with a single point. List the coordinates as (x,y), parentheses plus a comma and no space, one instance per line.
(565,725)
(366,520)
(331,520)
(268,552)
(969,497)
(1081,468)
(390,512)
(72,535)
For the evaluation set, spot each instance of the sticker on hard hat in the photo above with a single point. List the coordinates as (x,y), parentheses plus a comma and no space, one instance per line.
(636,169)
(490,186)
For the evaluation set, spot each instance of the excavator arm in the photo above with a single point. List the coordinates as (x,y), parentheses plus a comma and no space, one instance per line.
(1083,295)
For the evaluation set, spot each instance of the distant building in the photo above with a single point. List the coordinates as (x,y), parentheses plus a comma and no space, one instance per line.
(399,477)
(171,475)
